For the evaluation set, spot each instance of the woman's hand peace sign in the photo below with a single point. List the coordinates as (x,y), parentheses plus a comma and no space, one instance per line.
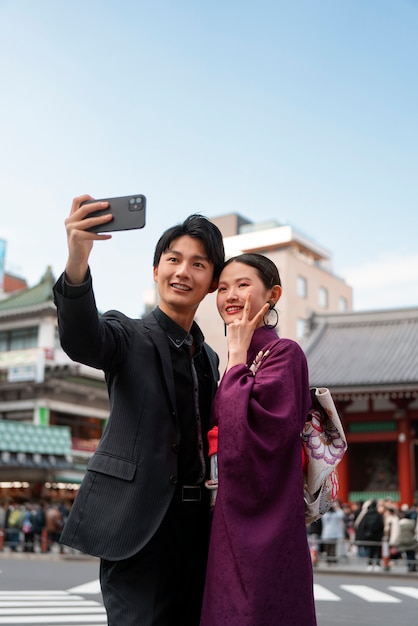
(240,332)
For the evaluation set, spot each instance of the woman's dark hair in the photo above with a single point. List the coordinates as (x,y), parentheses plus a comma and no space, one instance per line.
(198,227)
(266,269)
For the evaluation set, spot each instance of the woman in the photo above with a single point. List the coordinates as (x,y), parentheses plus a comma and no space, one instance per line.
(260,570)
(407,543)
(370,533)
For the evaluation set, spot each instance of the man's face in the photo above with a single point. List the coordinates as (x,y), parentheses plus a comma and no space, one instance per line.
(184,276)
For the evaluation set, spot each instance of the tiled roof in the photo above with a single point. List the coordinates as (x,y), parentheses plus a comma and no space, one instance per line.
(39,294)
(363,349)
(22,437)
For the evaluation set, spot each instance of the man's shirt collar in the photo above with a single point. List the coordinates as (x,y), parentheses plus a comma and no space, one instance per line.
(176,334)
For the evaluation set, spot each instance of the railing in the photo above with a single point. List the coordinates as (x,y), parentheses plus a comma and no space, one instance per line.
(15,540)
(373,554)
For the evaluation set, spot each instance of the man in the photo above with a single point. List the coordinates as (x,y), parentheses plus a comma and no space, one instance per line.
(142,507)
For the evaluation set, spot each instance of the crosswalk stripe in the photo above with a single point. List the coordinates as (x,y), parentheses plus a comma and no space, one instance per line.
(411,592)
(93,587)
(56,608)
(34,597)
(47,607)
(18,594)
(322,593)
(61,603)
(51,611)
(55,619)
(369,594)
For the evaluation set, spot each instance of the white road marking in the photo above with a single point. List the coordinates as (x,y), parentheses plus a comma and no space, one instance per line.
(93,587)
(411,592)
(369,594)
(49,608)
(56,619)
(37,594)
(67,602)
(51,611)
(322,593)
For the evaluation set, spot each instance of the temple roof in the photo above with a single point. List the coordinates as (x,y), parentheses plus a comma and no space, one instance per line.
(374,348)
(32,296)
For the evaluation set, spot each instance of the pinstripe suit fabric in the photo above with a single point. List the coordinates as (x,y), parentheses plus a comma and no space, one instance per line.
(130,480)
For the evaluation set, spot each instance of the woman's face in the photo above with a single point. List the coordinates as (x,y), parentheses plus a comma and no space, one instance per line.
(236,281)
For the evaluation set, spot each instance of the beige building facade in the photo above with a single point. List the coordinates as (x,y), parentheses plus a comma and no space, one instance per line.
(309,284)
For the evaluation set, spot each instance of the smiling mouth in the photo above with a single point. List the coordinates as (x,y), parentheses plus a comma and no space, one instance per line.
(233,309)
(180,287)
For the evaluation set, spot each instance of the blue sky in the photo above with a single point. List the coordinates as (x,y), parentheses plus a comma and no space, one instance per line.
(302,111)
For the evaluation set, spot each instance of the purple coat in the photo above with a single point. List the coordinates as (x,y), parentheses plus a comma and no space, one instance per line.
(259,569)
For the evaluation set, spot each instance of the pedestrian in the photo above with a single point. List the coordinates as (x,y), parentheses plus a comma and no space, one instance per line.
(314,530)
(54,524)
(259,569)
(362,549)
(27,528)
(3,513)
(407,543)
(39,524)
(333,532)
(391,528)
(370,533)
(349,519)
(14,523)
(142,507)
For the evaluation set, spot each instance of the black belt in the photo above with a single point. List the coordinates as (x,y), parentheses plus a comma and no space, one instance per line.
(190,493)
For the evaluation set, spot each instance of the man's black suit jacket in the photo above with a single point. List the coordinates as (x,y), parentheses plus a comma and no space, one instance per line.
(131,478)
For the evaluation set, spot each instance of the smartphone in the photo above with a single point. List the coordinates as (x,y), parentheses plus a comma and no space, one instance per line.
(128,213)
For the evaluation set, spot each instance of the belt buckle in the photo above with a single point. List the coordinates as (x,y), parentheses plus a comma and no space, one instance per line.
(191,493)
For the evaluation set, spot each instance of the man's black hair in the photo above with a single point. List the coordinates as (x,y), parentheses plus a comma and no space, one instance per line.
(198,227)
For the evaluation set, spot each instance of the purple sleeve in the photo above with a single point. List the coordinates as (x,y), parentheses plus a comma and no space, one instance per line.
(261,417)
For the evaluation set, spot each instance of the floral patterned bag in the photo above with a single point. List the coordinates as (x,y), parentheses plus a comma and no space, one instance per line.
(323,446)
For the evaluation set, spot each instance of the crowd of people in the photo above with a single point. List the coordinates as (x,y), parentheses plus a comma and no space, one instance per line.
(32,526)
(356,529)
(366,529)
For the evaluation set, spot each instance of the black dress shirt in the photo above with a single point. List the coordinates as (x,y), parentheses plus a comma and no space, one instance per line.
(192,379)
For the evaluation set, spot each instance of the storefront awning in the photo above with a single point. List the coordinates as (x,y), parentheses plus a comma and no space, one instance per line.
(34,447)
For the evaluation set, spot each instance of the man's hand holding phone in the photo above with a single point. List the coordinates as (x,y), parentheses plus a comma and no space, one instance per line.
(79,239)
(91,220)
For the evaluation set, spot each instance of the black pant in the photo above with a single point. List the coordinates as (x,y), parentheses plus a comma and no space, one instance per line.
(163,584)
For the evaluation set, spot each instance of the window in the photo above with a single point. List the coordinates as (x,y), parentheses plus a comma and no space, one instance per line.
(342,304)
(57,343)
(302,287)
(300,328)
(82,427)
(323,297)
(19,339)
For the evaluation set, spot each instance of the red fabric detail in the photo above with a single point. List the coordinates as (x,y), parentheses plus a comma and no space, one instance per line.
(213,441)
(304,460)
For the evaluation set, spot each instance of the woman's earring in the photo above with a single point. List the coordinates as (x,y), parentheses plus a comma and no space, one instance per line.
(271,317)
(225,329)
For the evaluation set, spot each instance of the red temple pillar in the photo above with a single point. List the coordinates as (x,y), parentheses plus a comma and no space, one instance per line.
(342,471)
(406,495)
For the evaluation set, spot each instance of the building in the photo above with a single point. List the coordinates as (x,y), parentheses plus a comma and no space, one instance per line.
(369,361)
(52,411)
(309,284)
(12,284)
